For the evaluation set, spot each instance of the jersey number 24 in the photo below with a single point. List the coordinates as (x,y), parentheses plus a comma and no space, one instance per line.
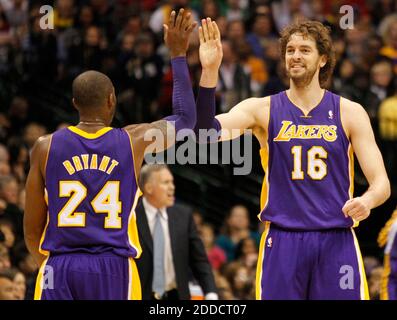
(106,201)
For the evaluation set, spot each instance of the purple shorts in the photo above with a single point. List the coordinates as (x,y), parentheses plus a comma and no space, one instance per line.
(310,265)
(83,276)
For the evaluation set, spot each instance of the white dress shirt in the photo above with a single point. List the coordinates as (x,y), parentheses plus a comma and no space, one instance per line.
(151,211)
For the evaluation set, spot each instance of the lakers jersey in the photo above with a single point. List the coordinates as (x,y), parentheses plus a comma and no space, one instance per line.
(309,166)
(91,192)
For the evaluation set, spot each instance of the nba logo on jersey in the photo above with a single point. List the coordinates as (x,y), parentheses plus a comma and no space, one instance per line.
(269,242)
(330,115)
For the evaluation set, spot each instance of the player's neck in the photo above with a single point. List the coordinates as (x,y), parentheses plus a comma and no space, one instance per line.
(91,125)
(305,97)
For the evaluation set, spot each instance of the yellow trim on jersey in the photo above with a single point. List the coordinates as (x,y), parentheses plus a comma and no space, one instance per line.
(87,135)
(384,291)
(39,281)
(259,265)
(44,252)
(364,295)
(48,153)
(133,157)
(340,118)
(264,154)
(133,236)
(134,284)
(350,155)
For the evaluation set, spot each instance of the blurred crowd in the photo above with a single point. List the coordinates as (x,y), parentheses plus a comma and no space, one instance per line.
(123,39)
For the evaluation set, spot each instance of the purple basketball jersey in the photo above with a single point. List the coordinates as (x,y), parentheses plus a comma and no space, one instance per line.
(309,166)
(92,192)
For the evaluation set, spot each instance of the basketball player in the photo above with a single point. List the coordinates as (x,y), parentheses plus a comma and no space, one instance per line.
(307,136)
(388,239)
(87,242)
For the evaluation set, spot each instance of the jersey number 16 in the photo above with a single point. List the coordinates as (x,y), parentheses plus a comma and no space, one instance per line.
(316,166)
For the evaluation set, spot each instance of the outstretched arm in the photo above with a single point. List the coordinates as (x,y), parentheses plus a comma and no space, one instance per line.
(358,127)
(161,134)
(228,125)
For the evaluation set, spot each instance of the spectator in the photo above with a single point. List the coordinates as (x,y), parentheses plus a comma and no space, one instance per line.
(236,229)
(216,255)
(234,82)
(388,31)
(388,132)
(158,17)
(5,262)
(7,228)
(247,254)
(19,284)
(9,189)
(7,291)
(32,132)
(262,32)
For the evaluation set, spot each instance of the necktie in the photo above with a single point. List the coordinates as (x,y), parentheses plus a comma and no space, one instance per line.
(158,284)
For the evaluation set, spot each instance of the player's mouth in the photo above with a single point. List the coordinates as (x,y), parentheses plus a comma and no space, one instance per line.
(297,66)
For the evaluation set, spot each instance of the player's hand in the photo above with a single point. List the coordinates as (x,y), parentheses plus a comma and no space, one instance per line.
(357,209)
(177,32)
(210,51)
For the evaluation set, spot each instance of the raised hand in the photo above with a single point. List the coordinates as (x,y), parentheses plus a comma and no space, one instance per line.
(177,32)
(210,45)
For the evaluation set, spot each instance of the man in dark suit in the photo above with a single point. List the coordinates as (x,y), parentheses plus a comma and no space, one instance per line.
(171,246)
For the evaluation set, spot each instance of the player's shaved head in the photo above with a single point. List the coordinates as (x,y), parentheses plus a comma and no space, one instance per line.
(91,89)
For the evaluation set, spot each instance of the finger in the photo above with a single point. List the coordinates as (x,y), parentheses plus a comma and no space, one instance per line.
(353,212)
(171,20)
(192,27)
(349,210)
(217,32)
(179,18)
(186,21)
(165,31)
(201,35)
(210,29)
(349,205)
(205,29)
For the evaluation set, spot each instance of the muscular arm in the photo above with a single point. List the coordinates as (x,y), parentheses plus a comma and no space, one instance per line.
(35,216)
(357,124)
(160,135)
(248,114)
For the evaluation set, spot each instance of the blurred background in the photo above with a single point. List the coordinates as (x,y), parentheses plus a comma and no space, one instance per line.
(123,39)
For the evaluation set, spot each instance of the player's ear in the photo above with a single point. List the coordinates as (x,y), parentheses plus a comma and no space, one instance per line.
(74,104)
(323,61)
(111,100)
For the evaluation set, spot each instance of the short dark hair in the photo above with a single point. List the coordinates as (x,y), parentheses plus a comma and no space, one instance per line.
(321,35)
(147,171)
(91,89)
